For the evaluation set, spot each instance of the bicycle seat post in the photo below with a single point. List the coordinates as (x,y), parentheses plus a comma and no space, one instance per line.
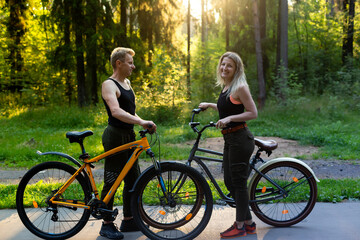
(79,138)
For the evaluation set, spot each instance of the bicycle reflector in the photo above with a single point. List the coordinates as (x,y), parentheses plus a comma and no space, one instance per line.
(188,217)
(263,190)
(35,204)
(285,212)
(162,212)
(295,179)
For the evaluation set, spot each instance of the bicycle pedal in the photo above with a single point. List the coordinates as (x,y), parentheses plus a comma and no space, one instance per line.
(115,213)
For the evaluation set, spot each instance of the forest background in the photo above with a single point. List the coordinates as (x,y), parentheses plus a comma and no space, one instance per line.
(301,60)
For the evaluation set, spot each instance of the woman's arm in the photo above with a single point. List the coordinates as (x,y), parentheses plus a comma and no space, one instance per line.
(243,94)
(205,105)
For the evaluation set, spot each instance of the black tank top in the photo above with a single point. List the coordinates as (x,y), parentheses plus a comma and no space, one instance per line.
(227,108)
(126,103)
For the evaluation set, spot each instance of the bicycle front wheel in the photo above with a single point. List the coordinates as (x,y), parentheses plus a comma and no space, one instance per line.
(181,212)
(286,208)
(38,214)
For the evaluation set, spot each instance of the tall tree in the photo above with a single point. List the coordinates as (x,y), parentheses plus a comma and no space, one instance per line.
(203,22)
(78,25)
(282,47)
(263,36)
(259,57)
(348,29)
(66,63)
(122,40)
(188,80)
(92,7)
(16,27)
(227,24)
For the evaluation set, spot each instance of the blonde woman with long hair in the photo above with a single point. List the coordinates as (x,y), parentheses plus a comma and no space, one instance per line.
(235,106)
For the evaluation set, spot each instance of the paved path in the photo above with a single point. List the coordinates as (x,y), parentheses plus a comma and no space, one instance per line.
(326,222)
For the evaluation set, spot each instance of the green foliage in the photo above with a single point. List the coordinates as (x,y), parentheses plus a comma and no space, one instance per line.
(162,95)
(203,74)
(288,92)
(331,190)
(328,122)
(323,122)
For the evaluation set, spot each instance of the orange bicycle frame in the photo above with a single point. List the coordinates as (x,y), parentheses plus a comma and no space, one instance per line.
(139,145)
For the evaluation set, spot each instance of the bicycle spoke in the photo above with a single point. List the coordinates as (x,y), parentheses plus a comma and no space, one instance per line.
(181,213)
(279,208)
(43,218)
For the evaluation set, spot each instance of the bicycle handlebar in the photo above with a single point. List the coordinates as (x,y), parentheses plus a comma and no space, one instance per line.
(145,131)
(193,124)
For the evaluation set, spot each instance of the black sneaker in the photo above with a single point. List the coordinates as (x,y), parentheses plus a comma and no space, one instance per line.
(129,226)
(110,231)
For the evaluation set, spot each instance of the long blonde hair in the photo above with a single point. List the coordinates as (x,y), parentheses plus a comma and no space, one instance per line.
(239,78)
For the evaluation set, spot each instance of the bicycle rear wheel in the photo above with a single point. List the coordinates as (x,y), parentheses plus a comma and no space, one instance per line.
(182,212)
(283,209)
(43,218)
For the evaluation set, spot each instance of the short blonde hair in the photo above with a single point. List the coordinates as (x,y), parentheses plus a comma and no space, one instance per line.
(239,78)
(119,53)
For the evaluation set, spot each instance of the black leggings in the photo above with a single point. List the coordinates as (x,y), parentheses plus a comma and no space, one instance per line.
(111,138)
(238,148)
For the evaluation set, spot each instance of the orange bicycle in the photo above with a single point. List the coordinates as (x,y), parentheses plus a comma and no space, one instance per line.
(55,200)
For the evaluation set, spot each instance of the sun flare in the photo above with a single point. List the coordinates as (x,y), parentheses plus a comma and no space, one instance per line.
(195,7)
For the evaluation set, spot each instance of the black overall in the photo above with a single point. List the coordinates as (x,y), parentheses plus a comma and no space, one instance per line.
(238,148)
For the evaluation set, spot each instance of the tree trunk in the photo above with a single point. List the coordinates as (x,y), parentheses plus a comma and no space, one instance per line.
(16,27)
(77,16)
(282,48)
(348,30)
(67,42)
(263,37)
(108,45)
(123,23)
(131,20)
(91,46)
(260,73)
(227,24)
(188,54)
(203,25)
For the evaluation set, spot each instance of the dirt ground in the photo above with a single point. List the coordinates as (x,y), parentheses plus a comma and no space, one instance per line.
(335,169)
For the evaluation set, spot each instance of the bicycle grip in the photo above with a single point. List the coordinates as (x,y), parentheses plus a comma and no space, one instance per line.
(198,110)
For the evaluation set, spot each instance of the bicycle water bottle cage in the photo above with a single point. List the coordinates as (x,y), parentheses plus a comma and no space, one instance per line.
(78,137)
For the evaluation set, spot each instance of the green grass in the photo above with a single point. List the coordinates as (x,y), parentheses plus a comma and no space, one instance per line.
(328,123)
(319,122)
(329,190)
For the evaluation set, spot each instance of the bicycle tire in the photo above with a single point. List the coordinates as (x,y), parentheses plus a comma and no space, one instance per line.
(188,212)
(286,210)
(42,218)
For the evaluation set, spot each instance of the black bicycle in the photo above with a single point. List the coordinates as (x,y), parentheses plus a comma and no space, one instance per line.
(282,192)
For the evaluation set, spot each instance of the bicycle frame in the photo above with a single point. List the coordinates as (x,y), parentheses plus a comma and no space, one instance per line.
(228,200)
(198,159)
(139,145)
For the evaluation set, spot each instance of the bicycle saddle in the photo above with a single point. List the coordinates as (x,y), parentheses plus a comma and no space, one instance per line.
(266,145)
(78,136)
